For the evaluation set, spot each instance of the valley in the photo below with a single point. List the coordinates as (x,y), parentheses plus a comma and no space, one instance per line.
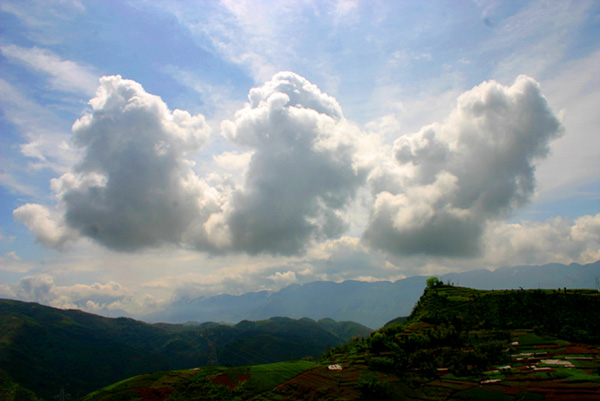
(457,344)
(43,349)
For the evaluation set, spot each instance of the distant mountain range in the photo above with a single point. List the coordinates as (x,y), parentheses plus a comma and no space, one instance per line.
(43,348)
(371,304)
(457,344)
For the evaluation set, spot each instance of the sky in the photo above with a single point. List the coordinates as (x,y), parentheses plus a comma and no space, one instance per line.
(152,151)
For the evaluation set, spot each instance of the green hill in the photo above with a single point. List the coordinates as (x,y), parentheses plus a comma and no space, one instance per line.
(370,303)
(43,348)
(457,344)
(458,338)
(344,330)
(569,313)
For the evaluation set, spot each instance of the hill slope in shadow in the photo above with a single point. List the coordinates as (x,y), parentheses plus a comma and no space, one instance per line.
(43,348)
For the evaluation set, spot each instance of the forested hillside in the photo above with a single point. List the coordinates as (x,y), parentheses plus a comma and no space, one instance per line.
(458,344)
(43,348)
(369,303)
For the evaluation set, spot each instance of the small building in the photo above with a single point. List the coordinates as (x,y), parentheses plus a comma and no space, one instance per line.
(491,381)
(334,367)
(560,362)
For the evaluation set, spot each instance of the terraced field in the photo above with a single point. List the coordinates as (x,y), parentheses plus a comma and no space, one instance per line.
(207,383)
(459,344)
(542,368)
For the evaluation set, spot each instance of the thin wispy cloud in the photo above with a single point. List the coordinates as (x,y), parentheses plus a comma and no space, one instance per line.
(64,75)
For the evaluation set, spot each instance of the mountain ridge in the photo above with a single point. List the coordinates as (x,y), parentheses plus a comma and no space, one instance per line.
(458,344)
(356,300)
(42,347)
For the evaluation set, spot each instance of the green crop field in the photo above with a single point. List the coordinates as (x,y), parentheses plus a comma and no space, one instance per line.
(458,344)
(479,393)
(244,381)
(261,378)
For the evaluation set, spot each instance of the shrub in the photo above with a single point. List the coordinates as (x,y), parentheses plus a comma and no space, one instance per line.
(382,364)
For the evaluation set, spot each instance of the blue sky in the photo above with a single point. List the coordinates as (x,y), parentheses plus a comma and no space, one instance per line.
(151,150)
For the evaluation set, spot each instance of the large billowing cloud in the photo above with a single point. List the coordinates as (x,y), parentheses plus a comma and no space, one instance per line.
(50,230)
(555,240)
(302,173)
(134,186)
(110,299)
(456,176)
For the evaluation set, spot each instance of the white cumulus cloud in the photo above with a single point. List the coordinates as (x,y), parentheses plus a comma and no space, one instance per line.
(133,186)
(300,168)
(303,170)
(476,166)
(95,298)
(557,239)
(49,229)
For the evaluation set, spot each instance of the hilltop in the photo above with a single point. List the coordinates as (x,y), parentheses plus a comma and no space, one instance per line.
(43,348)
(457,344)
(356,301)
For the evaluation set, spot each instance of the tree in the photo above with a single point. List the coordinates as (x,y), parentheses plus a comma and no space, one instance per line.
(432,282)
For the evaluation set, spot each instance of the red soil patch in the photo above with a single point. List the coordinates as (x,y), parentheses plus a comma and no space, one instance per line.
(456,385)
(154,394)
(581,349)
(225,380)
(554,390)
(579,395)
(321,384)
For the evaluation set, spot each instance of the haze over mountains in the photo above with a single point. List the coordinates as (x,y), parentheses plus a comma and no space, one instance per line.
(371,304)
(44,348)
(457,344)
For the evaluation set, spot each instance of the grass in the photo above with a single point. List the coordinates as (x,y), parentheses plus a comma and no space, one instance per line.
(493,376)
(593,364)
(453,385)
(570,374)
(266,377)
(205,372)
(121,384)
(456,294)
(457,298)
(450,376)
(528,342)
(541,350)
(532,339)
(309,380)
(528,396)
(573,374)
(261,378)
(480,393)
